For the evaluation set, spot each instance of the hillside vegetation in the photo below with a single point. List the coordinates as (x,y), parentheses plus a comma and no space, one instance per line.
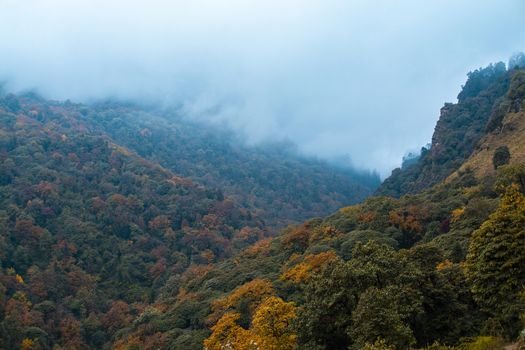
(107,243)
(458,131)
(101,206)
(505,131)
(274,181)
(440,269)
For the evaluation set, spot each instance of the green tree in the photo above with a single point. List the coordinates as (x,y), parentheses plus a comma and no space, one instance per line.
(501,156)
(338,301)
(330,298)
(382,313)
(496,261)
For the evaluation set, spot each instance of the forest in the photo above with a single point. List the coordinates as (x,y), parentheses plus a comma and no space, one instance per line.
(126,227)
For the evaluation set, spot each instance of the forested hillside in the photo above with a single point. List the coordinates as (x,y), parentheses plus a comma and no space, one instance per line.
(274,181)
(441,269)
(109,240)
(480,107)
(90,229)
(103,207)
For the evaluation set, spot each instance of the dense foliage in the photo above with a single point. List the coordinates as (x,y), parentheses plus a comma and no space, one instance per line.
(102,248)
(348,290)
(496,262)
(90,232)
(273,181)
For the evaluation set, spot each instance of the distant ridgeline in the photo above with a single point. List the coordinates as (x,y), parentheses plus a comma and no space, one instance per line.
(481,104)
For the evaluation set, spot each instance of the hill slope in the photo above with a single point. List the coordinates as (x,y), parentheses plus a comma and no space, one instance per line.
(102,248)
(278,185)
(413,271)
(91,231)
(505,130)
(458,131)
(85,222)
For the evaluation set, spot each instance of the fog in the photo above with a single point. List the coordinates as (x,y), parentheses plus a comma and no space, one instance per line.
(337,77)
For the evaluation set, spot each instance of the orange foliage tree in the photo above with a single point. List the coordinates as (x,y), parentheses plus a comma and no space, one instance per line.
(245,299)
(312,263)
(270,329)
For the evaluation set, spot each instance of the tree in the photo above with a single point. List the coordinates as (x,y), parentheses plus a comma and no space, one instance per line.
(327,318)
(496,261)
(511,174)
(270,329)
(272,323)
(27,344)
(244,300)
(330,298)
(301,272)
(228,335)
(501,156)
(517,61)
(381,313)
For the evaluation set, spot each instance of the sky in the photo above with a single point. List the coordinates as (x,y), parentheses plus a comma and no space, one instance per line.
(357,78)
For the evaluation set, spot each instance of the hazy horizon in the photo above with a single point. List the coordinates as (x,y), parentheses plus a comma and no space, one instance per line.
(335,77)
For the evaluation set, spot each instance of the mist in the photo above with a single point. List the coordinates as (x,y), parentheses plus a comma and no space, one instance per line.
(363,79)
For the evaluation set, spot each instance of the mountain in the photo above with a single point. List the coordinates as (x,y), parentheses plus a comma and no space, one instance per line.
(123,227)
(458,131)
(504,134)
(442,268)
(103,206)
(273,181)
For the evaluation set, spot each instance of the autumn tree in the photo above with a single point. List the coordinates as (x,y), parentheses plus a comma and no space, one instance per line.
(227,334)
(244,300)
(272,323)
(270,329)
(302,271)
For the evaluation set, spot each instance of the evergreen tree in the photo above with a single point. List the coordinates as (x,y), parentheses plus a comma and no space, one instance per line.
(496,262)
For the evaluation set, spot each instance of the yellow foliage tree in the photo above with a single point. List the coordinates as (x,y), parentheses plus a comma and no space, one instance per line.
(228,335)
(312,263)
(457,213)
(272,323)
(443,265)
(243,300)
(270,329)
(27,344)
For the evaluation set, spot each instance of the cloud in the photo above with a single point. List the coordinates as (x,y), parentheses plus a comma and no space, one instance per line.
(363,78)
